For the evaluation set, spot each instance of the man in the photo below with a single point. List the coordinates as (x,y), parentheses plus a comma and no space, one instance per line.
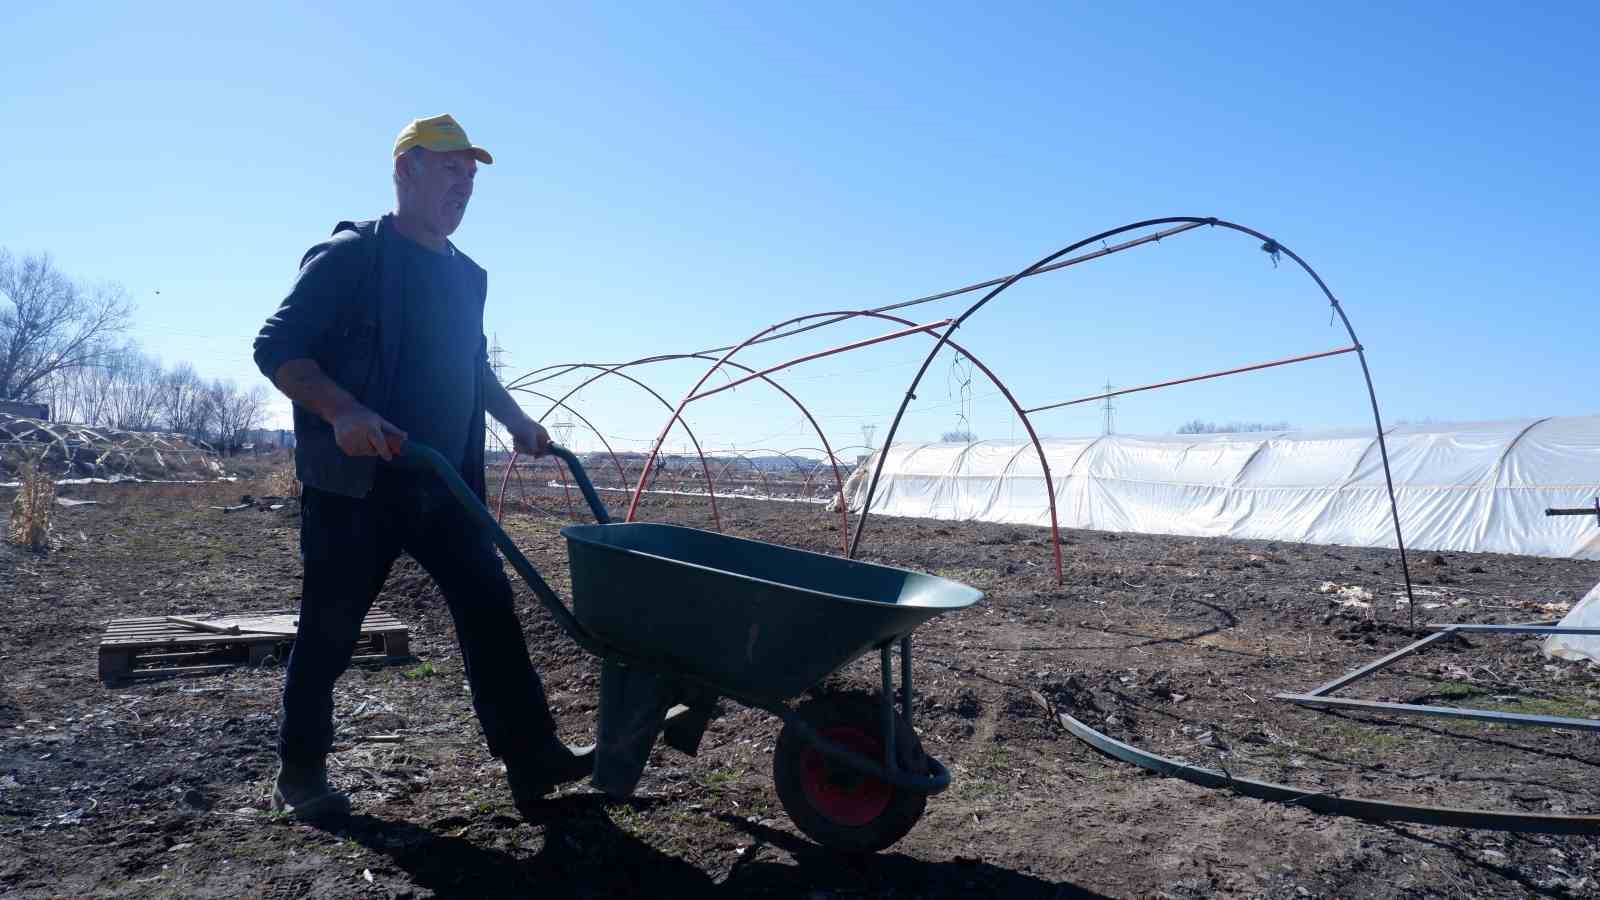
(381,341)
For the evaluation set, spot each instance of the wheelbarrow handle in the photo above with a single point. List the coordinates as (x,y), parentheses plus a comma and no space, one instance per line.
(421,457)
(584,484)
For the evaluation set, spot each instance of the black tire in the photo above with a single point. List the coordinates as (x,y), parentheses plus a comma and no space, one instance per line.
(837,806)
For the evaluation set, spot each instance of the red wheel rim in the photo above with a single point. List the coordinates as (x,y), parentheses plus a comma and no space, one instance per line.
(839,792)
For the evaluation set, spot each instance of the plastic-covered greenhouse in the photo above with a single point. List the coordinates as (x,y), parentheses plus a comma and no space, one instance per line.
(1475,486)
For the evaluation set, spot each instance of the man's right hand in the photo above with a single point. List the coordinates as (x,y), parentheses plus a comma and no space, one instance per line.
(362,432)
(358,430)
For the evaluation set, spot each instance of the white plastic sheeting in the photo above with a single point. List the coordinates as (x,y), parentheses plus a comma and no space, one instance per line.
(1585,614)
(1478,486)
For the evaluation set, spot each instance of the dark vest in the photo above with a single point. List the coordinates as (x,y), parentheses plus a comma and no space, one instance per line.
(361,354)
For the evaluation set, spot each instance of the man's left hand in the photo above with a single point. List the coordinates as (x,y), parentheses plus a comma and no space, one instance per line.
(529,437)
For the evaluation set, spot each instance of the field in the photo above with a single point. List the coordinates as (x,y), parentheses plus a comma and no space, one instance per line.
(157,789)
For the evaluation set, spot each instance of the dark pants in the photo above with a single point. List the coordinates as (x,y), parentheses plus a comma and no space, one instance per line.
(348,546)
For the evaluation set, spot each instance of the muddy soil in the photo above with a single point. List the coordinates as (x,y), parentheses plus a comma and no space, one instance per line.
(157,788)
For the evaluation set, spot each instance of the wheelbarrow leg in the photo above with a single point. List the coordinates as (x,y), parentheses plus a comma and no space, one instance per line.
(686,725)
(886,699)
(886,704)
(633,706)
(905,679)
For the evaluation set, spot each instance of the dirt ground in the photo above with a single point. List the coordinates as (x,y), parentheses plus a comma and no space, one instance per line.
(158,788)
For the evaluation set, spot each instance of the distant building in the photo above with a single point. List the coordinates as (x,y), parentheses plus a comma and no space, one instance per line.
(25,410)
(267,439)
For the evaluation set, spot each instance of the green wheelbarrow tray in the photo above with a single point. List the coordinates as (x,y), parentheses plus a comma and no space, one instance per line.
(757,621)
(748,620)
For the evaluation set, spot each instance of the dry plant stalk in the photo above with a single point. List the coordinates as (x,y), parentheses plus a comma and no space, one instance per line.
(282,483)
(30,511)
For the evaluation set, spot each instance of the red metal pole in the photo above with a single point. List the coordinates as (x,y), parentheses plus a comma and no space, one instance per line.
(677,417)
(1044,464)
(844,516)
(1154,237)
(655,449)
(739,456)
(820,354)
(838,480)
(1192,378)
(622,476)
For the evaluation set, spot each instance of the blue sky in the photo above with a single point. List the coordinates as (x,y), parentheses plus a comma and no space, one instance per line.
(676,177)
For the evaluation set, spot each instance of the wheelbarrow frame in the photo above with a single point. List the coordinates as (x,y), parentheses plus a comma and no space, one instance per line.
(424,458)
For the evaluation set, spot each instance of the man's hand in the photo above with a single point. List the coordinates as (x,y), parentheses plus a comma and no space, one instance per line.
(529,437)
(362,432)
(358,430)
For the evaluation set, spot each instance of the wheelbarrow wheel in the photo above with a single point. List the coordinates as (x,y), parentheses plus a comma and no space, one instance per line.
(834,804)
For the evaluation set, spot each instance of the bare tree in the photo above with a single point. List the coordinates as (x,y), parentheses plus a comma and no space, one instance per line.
(62,394)
(1200,426)
(253,408)
(219,400)
(136,391)
(48,325)
(130,390)
(122,390)
(184,402)
(237,412)
(89,391)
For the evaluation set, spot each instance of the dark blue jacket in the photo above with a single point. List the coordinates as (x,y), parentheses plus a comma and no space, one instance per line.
(344,313)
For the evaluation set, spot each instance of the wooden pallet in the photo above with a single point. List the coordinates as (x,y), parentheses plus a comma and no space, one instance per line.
(156,646)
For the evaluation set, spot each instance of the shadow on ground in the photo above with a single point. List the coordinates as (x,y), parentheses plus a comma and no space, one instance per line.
(585,855)
(821,870)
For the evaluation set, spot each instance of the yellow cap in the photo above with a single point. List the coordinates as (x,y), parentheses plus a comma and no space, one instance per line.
(441,133)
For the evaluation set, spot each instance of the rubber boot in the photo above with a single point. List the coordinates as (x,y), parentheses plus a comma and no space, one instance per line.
(302,791)
(534,778)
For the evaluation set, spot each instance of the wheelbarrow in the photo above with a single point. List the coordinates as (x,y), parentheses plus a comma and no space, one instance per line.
(759,624)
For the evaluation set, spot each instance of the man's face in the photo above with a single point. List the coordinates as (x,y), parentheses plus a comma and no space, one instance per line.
(438,190)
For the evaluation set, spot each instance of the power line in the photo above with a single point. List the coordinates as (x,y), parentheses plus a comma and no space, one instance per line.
(1153,237)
